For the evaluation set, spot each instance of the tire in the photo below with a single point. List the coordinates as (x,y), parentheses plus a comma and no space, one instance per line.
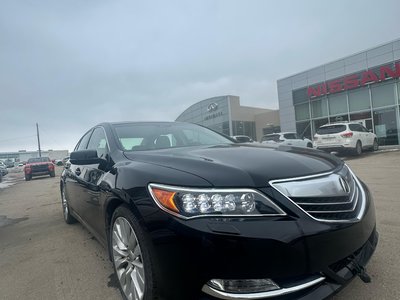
(28,177)
(53,174)
(375,145)
(358,148)
(68,218)
(131,252)
(309,145)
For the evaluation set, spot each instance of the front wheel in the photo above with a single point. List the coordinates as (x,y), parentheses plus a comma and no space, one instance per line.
(52,174)
(68,218)
(375,145)
(131,256)
(28,177)
(309,145)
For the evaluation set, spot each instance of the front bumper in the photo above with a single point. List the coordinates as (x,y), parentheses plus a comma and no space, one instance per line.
(318,287)
(291,250)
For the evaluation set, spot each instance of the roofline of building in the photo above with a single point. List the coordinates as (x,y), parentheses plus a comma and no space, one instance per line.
(333,61)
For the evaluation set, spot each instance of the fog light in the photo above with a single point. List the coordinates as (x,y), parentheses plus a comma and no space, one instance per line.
(242,286)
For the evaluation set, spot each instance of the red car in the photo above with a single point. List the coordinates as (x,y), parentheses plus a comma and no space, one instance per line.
(38,166)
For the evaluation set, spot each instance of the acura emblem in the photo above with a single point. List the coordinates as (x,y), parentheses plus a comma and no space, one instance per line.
(212,107)
(345,186)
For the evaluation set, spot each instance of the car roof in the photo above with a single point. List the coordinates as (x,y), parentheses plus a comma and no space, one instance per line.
(341,123)
(286,132)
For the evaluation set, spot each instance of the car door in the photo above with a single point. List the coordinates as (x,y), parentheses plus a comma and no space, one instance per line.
(290,139)
(370,137)
(92,176)
(74,178)
(364,135)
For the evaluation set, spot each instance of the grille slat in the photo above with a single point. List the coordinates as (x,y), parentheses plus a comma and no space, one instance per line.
(333,197)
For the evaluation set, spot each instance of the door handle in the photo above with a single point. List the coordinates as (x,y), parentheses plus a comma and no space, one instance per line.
(78,171)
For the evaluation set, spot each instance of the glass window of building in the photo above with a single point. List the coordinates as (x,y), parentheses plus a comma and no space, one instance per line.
(302,112)
(319,108)
(340,118)
(318,123)
(337,104)
(300,96)
(383,95)
(359,99)
(385,123)
(304,129)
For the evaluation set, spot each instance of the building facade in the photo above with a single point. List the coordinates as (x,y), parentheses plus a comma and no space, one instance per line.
(363,87)
(23,155)
(225,114)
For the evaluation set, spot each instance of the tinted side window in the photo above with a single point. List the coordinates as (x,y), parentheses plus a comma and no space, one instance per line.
(83,142)
(355,127)
(290,136)
(98,142)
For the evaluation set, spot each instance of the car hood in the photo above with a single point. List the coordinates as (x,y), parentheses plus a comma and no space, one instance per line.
(240,165)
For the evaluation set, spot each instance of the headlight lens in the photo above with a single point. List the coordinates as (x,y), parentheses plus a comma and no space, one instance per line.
(189,203)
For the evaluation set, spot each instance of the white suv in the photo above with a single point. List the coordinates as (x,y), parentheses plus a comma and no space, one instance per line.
(345,136)
(287,138)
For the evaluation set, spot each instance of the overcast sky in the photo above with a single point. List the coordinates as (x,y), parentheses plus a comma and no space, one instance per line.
(70,64)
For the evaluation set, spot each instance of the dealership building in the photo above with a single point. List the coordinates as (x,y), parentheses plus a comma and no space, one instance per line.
(362,87)
(225,114)
(24,155)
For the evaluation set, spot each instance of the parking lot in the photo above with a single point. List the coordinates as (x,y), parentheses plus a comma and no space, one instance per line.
(41,257)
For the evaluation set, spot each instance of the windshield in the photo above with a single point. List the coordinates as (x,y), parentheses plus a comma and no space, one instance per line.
(38,159)
(149,136)
(331,129)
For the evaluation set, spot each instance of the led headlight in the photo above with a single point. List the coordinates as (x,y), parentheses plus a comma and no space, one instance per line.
(189,203)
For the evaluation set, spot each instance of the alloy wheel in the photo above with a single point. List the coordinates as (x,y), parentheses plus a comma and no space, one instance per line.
(128,259)
(376,145)
(358,148)
(64,204)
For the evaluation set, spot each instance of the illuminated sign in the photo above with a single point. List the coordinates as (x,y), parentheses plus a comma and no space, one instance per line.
(354,81)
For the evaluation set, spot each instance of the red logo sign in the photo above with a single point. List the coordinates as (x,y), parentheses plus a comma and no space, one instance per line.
(354,81)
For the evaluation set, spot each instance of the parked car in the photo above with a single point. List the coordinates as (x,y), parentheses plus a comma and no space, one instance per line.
(287,138)
(186,213)
(3,170)
(64,160)
(243,139)
(9,163)
(38,166)
(345,137)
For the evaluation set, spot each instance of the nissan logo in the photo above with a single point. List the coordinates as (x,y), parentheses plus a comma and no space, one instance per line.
(212,107)
(345,186)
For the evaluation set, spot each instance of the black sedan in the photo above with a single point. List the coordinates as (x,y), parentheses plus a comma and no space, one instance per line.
(187,213)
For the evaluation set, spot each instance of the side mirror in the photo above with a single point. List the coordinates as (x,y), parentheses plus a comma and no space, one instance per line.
(84,157)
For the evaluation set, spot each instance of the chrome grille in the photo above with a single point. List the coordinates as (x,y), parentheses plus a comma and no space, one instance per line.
(330,197)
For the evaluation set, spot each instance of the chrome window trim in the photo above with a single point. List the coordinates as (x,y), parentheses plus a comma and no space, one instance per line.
(358,185)
(261,295)
(213,190)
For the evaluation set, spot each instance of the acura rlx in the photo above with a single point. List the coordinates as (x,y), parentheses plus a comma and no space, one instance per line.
(187,213)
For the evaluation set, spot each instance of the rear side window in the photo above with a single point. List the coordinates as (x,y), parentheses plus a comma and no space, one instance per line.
(356,127)
(331,129)
(290,136)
